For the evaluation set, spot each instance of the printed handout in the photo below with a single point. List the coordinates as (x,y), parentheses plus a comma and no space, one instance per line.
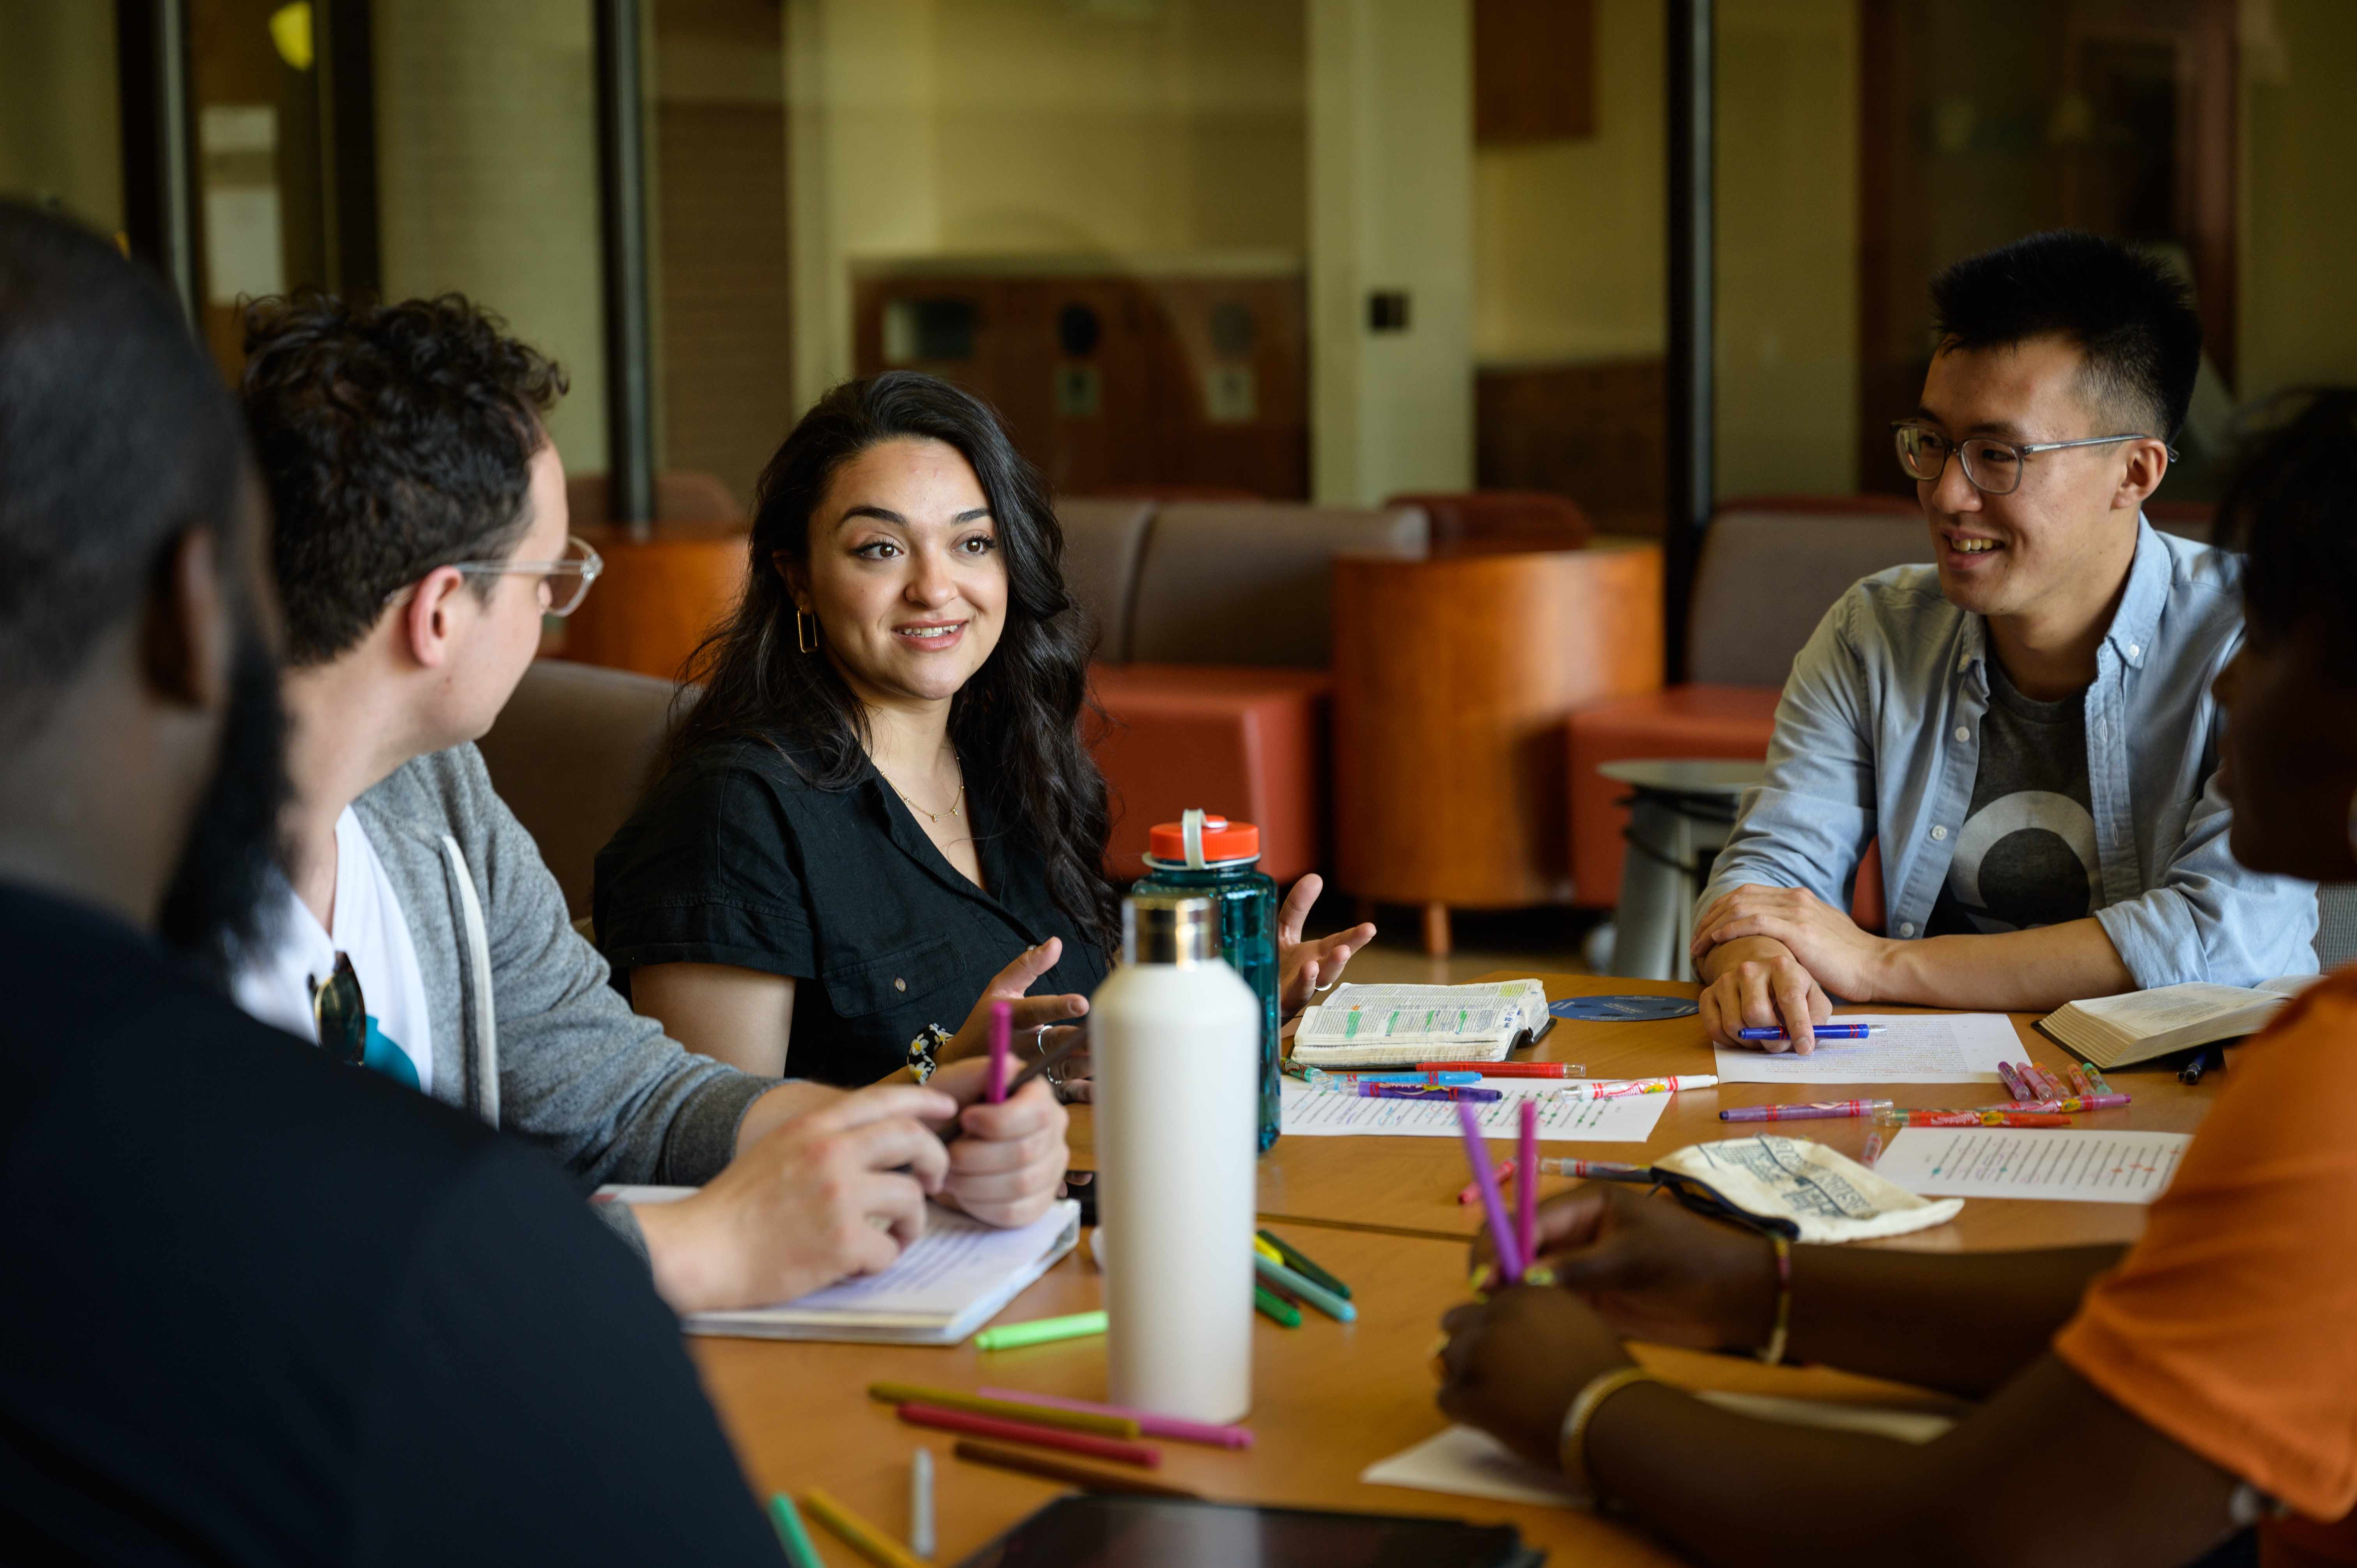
(1911,1048)
(2073,1162)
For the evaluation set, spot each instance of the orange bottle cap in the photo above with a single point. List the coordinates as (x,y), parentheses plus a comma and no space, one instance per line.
(1220,840)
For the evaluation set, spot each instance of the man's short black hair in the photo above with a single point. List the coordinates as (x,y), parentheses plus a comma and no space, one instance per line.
(2125,309)
(394,439)
(2289,507)
(116,436)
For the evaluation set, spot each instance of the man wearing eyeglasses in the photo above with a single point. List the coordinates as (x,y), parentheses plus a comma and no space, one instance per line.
(420,535)
(2025,728)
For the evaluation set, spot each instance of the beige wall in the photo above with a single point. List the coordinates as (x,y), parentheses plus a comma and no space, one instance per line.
(1391,197)
(1788,211)
(2298,316)
(486,161)
(60,143)
(1050,128)
(1569,238)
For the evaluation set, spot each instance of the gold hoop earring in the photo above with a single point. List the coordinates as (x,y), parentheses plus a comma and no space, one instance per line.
(806,631)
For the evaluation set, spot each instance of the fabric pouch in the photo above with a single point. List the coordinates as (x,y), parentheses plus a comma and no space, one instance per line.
(1796,1189)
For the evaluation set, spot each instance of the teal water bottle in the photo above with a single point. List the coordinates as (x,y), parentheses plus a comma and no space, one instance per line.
(1212,857)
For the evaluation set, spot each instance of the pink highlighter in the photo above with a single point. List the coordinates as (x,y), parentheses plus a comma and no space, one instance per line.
(1001,1026)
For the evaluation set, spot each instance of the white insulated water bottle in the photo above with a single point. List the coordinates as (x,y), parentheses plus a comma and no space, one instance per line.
(1173,1052)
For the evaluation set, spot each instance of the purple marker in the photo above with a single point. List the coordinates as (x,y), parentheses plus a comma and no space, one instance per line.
(1526,1191)
(1477,1154)
(1002,1021)
(1815,1111)
(2013,1084)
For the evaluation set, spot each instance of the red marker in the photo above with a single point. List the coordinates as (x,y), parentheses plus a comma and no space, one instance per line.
(1472,1190)
(1502,1069)
(1023,1432)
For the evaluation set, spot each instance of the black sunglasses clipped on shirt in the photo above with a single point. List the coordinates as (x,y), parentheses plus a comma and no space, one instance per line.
(337,1008)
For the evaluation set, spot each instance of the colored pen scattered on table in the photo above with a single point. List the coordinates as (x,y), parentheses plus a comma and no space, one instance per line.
(1081,1475)
(1526,1195)
(1041,1331)
(1873,1149)
(856,1533)
(1002,1023)
(1815,1111)
(1301,1263)
(1103,1424)
(2069,1103)
(921,1502)
(1588,1167)
(1504,1069)
(1149,1423)
(800,1551)
(1095,1447)
(1967,1118)
(1822,1031)
(1425,1091)
(1275,1307)
(1613,1088)
(1318,1078)
(1305,1289)
(1471,1191)
(1477,1154)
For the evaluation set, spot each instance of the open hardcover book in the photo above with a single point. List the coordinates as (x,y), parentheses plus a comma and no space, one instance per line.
(959,1275)
(2113,1031)
(1389,1026)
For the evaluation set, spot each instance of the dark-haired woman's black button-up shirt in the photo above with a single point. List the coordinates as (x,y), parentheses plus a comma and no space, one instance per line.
(735,858)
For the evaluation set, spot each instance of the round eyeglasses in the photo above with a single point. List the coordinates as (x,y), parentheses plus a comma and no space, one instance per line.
(564,584)
(1992,467)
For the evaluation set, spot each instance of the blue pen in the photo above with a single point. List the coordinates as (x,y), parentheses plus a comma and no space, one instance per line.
(1823,1032)
(1431,1079)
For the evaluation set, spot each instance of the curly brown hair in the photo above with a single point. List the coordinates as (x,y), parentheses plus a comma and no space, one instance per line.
(393,439)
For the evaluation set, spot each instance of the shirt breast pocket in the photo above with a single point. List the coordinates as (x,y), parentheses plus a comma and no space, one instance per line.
(897,979)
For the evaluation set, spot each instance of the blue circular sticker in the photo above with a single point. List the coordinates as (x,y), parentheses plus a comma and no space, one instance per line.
(1623,1009)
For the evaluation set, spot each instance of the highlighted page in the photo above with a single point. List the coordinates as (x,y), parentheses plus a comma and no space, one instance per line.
(1627,1119)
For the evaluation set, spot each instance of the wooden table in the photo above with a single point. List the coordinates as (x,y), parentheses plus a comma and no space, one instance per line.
(1331,1398)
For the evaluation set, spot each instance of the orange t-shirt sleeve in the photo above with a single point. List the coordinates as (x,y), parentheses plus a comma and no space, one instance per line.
(2231,1326)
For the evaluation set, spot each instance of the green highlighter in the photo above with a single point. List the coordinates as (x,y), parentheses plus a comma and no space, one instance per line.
(1041,1331)
(800,1551)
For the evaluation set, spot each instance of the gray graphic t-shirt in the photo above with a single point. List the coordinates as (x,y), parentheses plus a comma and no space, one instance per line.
(2025,856)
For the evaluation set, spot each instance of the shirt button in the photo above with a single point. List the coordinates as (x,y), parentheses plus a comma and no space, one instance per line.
(1963,736)
(900,986)
(1906,927)
(1939,833)
(2136,650)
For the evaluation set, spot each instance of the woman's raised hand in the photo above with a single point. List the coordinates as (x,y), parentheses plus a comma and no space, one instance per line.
(1307,968)
(1031,1012)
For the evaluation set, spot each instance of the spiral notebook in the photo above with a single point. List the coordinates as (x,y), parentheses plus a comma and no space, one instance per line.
(959,1275)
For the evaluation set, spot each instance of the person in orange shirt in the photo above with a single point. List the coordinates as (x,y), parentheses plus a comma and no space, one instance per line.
(2140,1404)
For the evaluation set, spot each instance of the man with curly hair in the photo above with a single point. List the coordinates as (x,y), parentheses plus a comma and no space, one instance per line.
(420,534)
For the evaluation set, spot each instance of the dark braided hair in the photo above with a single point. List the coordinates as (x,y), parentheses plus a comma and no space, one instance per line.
(1019,716)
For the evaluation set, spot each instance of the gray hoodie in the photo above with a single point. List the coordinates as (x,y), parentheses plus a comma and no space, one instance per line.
(527,1033)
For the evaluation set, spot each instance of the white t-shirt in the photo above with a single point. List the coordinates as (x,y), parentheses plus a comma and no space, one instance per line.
(275,984)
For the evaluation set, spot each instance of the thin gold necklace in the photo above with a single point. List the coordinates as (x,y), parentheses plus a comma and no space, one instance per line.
(935,817)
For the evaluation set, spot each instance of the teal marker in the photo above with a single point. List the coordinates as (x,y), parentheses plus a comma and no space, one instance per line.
(800,1549)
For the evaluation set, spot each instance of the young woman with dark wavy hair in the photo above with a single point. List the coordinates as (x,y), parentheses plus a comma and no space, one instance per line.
(880,816)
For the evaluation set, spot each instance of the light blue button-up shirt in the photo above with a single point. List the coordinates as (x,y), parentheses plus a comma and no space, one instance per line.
(1876,743)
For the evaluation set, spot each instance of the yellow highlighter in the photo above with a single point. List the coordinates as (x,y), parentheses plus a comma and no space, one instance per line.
(1265,1251)
(858,1533)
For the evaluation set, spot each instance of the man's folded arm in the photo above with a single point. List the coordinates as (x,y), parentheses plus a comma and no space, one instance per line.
(2210,918)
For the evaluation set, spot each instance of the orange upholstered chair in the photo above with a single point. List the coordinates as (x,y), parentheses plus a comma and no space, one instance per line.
(657,598)
(1212,622)
(1770,570)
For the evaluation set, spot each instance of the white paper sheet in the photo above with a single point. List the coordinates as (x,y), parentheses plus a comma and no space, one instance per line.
(1319,1113)
(1471,1464)
(2074,1163)
(1913,1047)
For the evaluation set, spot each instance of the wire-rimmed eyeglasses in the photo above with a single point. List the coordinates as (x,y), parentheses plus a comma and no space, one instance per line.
(564,584)
(1992,467)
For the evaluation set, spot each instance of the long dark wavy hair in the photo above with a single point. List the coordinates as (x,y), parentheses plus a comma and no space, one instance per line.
(1018,718)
